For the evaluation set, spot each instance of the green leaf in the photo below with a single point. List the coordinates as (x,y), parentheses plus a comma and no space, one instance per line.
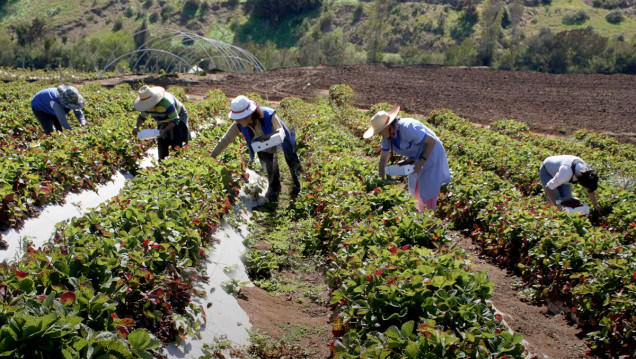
(393,332)
(140,339)
(407,328)
(26,284)
(411,350)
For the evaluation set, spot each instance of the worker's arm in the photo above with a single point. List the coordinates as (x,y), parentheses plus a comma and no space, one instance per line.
(430,143)
(140,121)
(551,197)
(592,196)
(225,141)
(384,159)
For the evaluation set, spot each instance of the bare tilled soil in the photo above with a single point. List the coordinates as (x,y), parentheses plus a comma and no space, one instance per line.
(551,104)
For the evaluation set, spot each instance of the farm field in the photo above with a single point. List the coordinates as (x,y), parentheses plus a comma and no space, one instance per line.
(549,104)
(119,281)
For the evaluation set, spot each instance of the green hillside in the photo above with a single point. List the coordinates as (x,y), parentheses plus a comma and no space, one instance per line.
(545,35)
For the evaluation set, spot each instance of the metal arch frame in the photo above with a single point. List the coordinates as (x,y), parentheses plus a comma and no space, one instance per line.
(230,57)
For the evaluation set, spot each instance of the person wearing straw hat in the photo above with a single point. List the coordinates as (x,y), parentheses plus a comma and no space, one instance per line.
(170,114)
(252,121)
(411,138)
(50,106)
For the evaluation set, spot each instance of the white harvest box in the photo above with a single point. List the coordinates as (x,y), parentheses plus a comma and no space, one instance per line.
(148,134)
(264,142)
(585,209)
(402,168)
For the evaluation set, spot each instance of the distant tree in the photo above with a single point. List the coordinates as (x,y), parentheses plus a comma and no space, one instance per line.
(465,24)
(491,33)
(568,51)
(190,8)
(624,57)
(282,9)
(376,39)
(29,33)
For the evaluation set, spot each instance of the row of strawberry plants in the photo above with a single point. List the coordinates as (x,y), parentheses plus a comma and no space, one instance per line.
(617,204)
(563,257)
(559,256)
(43,169)
(399,290)
(603,142)
(108,280)
(19,127)
(617,196)
(583,143)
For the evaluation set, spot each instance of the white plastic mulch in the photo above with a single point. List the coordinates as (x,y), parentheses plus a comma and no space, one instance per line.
(39,230)
(226,321)
(224,318)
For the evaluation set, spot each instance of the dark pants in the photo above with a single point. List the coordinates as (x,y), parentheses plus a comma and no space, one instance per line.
(49,122)
(177,137)
(269,161)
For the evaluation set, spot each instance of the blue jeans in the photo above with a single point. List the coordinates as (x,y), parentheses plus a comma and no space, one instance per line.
(49,122)
(269,161)
(562,192)
(177,137)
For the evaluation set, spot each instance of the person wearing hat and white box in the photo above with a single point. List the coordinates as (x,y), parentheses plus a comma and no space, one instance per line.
(252,121)
(170,114)
(50,106)
(412,139)
(557,173)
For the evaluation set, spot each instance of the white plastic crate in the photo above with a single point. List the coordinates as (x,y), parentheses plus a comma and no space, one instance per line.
(264,142)
(402,168)
(585,209)
(148,134)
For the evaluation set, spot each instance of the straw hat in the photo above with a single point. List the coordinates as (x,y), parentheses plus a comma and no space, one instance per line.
(380,120)
(148,97)
(70,97)
(241,108)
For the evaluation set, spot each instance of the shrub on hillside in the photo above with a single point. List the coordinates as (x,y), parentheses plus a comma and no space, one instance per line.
(576,18)
(190,8)
(282,9)
(614,17)
(612,4)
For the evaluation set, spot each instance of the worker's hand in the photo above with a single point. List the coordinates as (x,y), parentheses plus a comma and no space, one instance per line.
(135,131)
(83,124)
(418,165)
(163,132)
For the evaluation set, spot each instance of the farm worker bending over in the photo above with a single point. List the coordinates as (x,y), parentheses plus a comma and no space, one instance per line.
(409,137)
(252,121)
(558,172)
(170,114)
(51,105)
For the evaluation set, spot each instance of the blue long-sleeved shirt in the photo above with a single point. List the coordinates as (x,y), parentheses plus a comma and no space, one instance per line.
(47,101)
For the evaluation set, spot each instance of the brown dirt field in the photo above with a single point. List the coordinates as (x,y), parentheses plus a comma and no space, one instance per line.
(551,104)
(548,103)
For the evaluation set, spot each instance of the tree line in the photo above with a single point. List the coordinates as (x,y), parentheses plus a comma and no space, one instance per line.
(329,33)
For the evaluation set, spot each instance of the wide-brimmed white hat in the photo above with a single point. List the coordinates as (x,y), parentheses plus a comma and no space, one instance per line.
(380,120)
(241,108)
(148,97)
(70,97)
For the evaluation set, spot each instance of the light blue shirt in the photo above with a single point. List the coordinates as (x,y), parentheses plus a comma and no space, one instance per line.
(409,142)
